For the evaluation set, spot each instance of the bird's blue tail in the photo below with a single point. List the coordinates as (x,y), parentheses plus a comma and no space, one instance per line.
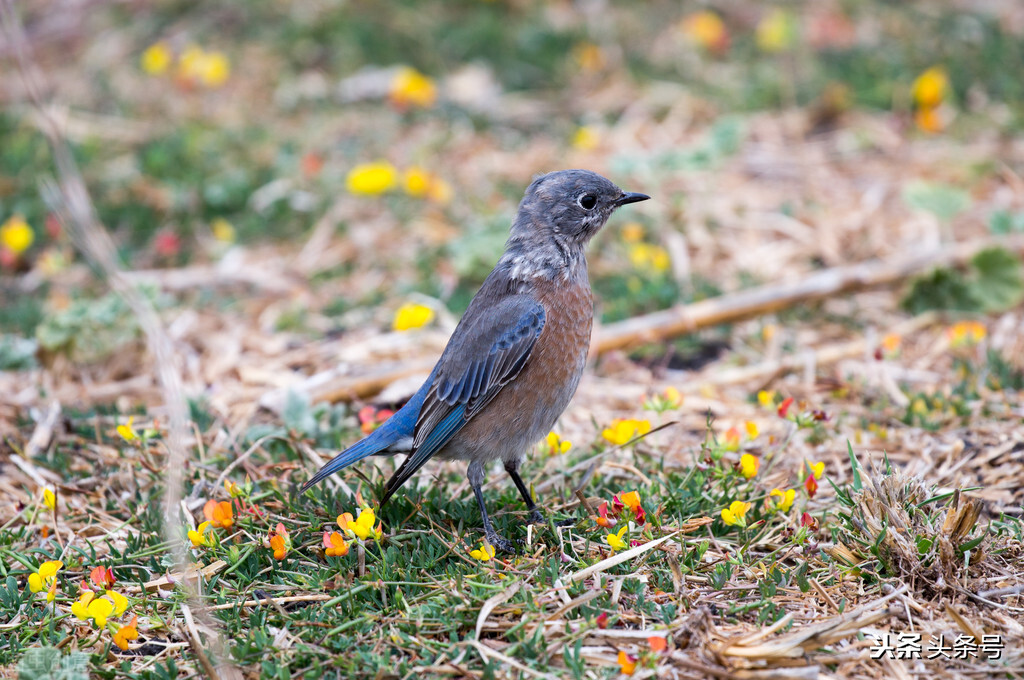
(388,438)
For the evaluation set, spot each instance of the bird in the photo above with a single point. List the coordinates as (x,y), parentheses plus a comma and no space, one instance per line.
(517,355)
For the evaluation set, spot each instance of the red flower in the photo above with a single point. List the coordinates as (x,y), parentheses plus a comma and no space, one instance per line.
(167,244)
(784,406)
(811,486)
(602,620)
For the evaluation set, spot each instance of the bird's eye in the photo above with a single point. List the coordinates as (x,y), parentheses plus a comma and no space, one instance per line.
(587,201)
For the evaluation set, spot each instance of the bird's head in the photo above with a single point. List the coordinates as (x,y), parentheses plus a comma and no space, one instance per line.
(568,206)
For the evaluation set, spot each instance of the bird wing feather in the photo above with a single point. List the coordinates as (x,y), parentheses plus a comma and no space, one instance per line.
(482,356)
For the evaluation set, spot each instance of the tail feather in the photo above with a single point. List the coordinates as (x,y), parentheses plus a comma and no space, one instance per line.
(388,438)
(353,454)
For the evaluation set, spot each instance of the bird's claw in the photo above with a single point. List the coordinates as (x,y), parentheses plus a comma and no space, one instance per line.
(537,517)
(503,544)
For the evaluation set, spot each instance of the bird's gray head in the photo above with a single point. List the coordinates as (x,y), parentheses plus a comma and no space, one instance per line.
(560,212)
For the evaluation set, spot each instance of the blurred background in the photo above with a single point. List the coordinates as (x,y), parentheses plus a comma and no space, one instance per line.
(285,172)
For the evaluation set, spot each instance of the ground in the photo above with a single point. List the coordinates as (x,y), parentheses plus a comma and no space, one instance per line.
(809,482)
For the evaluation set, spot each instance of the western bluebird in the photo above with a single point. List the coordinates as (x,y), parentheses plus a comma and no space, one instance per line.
(516,357)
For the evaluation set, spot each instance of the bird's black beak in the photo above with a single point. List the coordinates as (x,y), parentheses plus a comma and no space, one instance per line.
(631,197)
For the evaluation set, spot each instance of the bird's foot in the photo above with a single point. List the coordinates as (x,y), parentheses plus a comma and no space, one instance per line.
(537,517)
(501,543)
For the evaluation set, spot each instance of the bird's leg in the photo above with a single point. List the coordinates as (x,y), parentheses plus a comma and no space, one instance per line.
(512,468)
(475,473)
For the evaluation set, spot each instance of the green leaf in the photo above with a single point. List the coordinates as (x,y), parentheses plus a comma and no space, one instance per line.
(47,663)
(855,466)
(942,289)
(942,200)
(1002,222)
(998,282)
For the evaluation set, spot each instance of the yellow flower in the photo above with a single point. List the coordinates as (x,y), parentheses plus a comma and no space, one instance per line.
(735,514)
(128,631)
(199,536)
(49,499)
(673,397)
(557,445)
(412,315)
(233,489)
(417,181)
(817,470)
(223,230)
(749,465)
(484,554)
(585,138)
(89,606)
(623,430)
(776,31)
(371,179)
(208,68)
(615,540)
(929,88)
(409,87)
(119,600)
(45,579)
(785,498)
(966,333)
(648,256)
(127,431)
(707,30)
(15,234)
(362,527)
(751,428)
(215,69)
(156,59)
(424,184)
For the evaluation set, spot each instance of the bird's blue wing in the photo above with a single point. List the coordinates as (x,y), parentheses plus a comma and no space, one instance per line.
(488,350)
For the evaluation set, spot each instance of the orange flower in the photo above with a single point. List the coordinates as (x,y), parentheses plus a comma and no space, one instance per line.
(129,631)
(279,541)
(334,544)
(602,519)
(103,577)
(657,643)
(966,333)
(631,500)
(707,30)
(732,439)
(219,514)
(929,119)
(627,663)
